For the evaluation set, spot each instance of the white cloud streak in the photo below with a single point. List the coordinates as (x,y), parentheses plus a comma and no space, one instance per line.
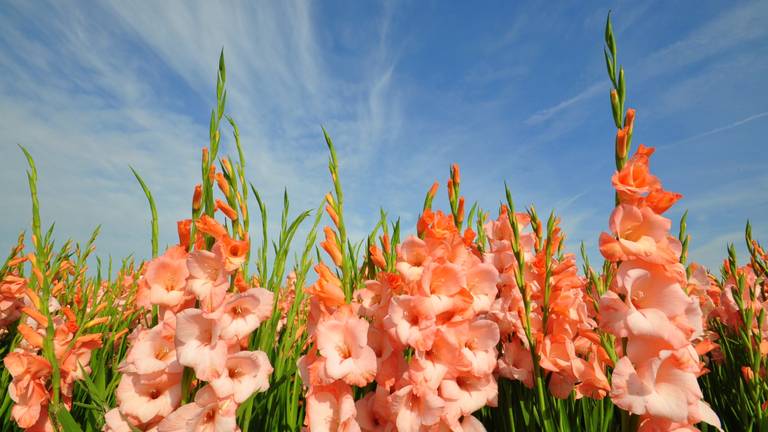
(719,129)
(725,32)
(100,99)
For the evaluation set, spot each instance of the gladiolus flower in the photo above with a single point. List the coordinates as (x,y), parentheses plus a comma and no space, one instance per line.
(331,409)
(233,251)
(246,372)
(343,341)
(207,277)
(198,344)
(641,234)
(244,312)
(663,387)
(148,399)
(166,277)
(327,288)
(206,414)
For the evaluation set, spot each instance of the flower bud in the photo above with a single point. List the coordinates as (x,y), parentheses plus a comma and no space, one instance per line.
(621,143)
(197,197)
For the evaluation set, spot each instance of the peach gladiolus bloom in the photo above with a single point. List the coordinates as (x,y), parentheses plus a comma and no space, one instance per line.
(373,412)
(29,387)
(637,186)
(148,399)
(468,347)
(342,340)
(244,312)
(641,234)
(411,321)
(153,351)
(331,408)
(207,277)
(208,225)
(246,372)
(11,298)
(166,277)
(206,414)
(655,305)
(198,344)
(662,387)
(233,251)
(466,394)
(327,288)
(115,422)
(635,179)
(414,408)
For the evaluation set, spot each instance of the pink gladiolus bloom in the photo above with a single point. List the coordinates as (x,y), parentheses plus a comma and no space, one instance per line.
(654,306)
(114,422)
(468,347)
(327,288)
(373,414)
(481,282)
(244,312)
(641,234)
(198,344)
(411,321)
(246,372)
(516,363)
(412,255)
(207,277)
(466,394)
(148,398)
(206,414)
(591,376)
(635,179)
(233,251)
(342,340)
(662,387)
(11,298)
(29,387)
(390,363)
(166,277)
(331,409)
(414,408)
(153,350)
(441,279)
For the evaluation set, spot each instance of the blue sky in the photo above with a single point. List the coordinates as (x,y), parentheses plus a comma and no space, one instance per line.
(511,91)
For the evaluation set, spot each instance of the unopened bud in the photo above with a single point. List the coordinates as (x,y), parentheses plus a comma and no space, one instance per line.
(197,197)
(433,190)
(226,209)
(629,120)
(332,213)
(621,143)
(222,183)
(227,166)
(747,373)
(455,173)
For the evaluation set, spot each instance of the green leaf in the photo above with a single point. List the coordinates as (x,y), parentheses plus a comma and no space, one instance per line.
(152,208)
(65,418)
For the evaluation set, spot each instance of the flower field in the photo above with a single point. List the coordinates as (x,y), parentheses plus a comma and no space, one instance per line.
(475,319)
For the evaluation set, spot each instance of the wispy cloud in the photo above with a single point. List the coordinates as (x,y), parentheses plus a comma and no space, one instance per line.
(728,30)
(719,129)
(125,84)
(93,88)
(545,114)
